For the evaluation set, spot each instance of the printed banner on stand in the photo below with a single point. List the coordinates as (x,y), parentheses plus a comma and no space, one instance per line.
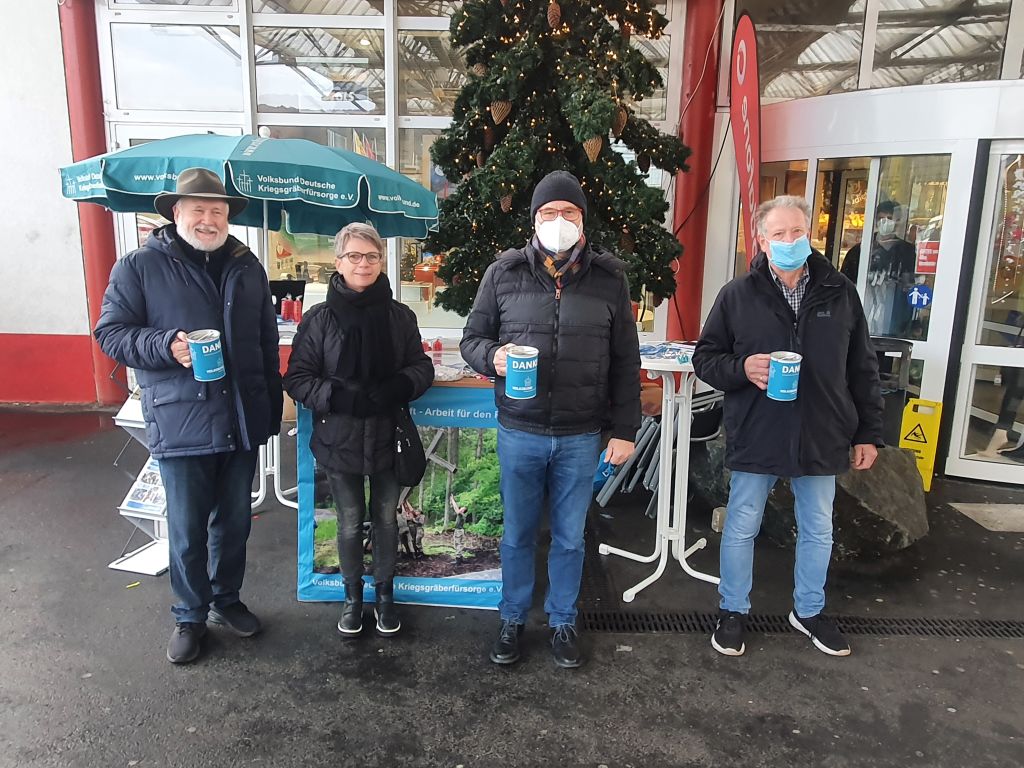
(449,526)
(745,119)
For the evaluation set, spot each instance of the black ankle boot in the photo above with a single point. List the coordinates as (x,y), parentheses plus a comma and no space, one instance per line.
(351,622)
(386,613)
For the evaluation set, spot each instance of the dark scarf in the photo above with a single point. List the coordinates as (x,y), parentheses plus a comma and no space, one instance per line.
(367,354)
(558,264)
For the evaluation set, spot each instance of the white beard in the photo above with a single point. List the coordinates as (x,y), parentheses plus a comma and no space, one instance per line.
(201,246)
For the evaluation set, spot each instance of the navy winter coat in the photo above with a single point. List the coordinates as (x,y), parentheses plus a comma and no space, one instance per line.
(588,375)
(839,402)
(156,291)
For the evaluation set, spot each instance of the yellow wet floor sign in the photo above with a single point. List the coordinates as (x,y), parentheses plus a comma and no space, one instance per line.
(920,434)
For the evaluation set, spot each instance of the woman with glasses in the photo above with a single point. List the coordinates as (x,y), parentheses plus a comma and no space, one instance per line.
(356,359)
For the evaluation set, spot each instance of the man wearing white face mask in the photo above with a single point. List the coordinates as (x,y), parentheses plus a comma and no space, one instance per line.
(570,300)
(794,300)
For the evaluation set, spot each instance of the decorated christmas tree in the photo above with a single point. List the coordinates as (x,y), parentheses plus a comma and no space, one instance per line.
(553,86)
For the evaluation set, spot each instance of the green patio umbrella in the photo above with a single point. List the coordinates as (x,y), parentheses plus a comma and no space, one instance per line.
(307,186)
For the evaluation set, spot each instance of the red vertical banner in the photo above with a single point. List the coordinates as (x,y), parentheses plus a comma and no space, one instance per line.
(745,118)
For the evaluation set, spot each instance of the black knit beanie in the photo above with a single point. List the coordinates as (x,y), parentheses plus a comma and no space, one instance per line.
(558,185)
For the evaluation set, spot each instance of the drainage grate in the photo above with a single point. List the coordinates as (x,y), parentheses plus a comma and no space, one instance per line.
(704,623)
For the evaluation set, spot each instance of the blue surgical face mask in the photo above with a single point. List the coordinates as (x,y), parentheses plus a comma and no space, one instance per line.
(789,256)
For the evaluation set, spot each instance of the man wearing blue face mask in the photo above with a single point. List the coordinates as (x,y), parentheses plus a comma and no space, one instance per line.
(569,300)
(791,300)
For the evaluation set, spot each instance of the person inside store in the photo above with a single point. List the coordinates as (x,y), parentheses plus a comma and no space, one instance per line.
(356,359)
(891,272)
(791,299)
(569,300)
(192,275)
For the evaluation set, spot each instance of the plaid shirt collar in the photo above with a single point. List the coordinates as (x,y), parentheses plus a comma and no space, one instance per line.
(796,295)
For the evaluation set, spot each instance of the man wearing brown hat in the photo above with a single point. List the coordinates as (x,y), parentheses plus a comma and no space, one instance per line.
(192,275)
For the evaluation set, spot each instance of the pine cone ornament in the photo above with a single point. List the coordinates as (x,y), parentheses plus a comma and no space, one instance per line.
(489,137)
(643,162)
(480,70)
(480,159)
(500,110)
(619,121)
(592,147)
(554,14)
(506,203)
(627,242)
(625,29)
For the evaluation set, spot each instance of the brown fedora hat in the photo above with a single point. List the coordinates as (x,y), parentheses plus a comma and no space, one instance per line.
(198,182)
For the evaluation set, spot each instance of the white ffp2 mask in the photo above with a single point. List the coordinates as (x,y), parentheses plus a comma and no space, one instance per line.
(558,235)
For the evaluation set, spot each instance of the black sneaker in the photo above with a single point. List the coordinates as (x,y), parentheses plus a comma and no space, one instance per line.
(506,647)
(728,636)
(237,618)
(823,633)
(565,646)
(184,645)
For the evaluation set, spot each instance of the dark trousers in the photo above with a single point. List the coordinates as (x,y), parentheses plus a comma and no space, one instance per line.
(350,498)
(208,519)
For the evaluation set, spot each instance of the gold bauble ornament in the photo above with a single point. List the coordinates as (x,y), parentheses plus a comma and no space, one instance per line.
(554,14)
(500,110)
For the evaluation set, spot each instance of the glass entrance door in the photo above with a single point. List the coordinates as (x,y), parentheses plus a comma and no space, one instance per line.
(840,199)
(988,426)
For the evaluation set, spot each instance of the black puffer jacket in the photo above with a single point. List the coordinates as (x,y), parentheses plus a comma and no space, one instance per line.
(340,442)
(589,368)
(156,291)
(839,401)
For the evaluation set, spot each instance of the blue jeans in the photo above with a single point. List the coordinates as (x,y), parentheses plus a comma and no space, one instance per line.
(748,493)
(563,466)
(208,522)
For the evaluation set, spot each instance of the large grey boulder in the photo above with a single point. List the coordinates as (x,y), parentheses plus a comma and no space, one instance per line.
(879,511)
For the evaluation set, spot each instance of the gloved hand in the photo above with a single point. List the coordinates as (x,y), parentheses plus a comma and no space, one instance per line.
(347,397)
(392,391)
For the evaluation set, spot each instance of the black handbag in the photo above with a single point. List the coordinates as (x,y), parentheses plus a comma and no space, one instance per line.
(410,459)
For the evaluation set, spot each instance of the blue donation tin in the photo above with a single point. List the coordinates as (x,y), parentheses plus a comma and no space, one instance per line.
(784,375)
(521,374)
(207,356)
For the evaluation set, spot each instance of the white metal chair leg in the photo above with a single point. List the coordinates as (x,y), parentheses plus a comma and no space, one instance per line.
(260,494)
(274,469)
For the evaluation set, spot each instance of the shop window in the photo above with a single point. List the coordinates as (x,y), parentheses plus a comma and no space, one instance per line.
(198,4)
(201,64)
(305,256)
(655,106)
(995,426)
(810,50)
(419,282)
(435,8)
(788,177)
(320,70)
(938,41)
(430,73)
(321,7)
(837,221)
(1002,323)
(903,255)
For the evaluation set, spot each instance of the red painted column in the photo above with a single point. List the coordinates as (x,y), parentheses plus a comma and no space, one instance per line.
(701,44)
(88,138)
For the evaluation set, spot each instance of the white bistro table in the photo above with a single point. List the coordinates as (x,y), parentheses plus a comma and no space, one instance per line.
(670,534)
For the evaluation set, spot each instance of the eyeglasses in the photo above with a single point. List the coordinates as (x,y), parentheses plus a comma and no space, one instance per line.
(354,257)
(569,214)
